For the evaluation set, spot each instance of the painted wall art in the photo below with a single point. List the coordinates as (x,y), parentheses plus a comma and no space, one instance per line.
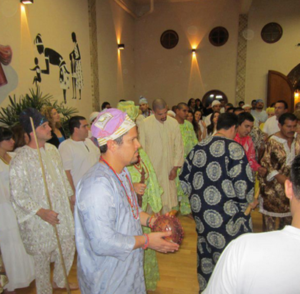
(76,69)
(8,76)
(53,58)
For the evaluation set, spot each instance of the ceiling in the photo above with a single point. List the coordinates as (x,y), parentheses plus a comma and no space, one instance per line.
(244,4)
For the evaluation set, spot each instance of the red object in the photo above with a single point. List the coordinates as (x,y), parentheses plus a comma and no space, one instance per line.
(169,223)
(5,59)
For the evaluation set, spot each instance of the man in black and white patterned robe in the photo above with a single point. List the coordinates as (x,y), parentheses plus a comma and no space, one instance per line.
(218,178)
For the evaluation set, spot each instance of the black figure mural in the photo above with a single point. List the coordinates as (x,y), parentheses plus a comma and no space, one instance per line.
(54,58)
(37,69)
(76,69)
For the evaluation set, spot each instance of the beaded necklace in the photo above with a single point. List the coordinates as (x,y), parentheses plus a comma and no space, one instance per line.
(134,206)
(139,166)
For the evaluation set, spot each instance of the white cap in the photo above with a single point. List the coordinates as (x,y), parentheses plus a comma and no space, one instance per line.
(246,106)
(215,102)
(93,115)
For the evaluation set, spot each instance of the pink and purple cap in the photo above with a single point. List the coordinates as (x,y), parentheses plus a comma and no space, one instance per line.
(111,124)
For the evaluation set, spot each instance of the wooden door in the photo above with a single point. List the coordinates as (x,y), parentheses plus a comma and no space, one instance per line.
(280,88)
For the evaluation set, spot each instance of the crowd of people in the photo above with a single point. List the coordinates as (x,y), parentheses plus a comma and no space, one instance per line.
(101,190)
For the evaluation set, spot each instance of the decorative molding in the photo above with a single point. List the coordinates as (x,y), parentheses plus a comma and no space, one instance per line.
(94,55)
(241,59)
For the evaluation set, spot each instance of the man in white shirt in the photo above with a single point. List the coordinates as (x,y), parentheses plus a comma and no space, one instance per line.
(259,113)
(78,153)
(216,105)
(265,262)
(271,125)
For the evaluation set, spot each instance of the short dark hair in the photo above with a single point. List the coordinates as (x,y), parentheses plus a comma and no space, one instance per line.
(245,116)
(104,104)
(180,105)
(19,135)
(74,122)
(283,102)
(119,141)
(286,116)
(295,176)
(5,134)
(229,104)
(241,102)
(158,104)
(226,121)
(229,109)
(238,109)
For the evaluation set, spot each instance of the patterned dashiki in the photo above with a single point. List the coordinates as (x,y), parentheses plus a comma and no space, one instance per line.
(151,203)
(277,158)
(105,228)
(189,140)
(218,179)
(258,138)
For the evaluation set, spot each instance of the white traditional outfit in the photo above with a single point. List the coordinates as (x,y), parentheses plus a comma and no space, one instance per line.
(163,144)
(28,197)
(18,264)
(78,157)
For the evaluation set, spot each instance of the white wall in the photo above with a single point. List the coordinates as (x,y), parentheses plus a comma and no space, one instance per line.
(282,56)
(55,20)
(116,70)
(145,67)
(172,74)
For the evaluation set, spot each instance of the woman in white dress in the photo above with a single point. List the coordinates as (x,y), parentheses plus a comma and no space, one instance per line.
(202,125)
(18,264)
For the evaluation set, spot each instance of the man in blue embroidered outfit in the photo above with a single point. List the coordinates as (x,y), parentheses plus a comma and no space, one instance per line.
(218,179)
(108,220)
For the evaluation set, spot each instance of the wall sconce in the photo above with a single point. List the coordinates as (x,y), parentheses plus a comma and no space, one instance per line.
(296,97)
(194,52)
(26,1)
(121,46)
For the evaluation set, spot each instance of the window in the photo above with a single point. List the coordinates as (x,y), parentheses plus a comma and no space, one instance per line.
(169,39)
(218,36)
(213,95)
(271,32)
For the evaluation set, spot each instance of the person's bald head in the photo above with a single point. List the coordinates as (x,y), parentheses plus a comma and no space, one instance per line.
(160,110)
(158,104)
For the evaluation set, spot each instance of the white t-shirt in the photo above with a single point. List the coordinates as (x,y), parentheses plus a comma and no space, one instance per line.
(207,119)
(271,126)
(260,263)
(78,157)
(261,116)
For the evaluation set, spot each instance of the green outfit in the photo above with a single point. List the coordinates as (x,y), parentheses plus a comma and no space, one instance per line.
(189,141)
(151,202)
